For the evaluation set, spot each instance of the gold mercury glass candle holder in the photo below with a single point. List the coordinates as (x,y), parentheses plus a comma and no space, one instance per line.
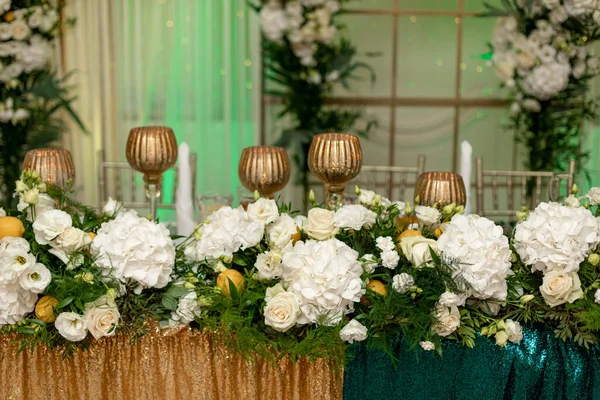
(152,150)
(265,169)
(335,158)
(55,166)
(437,189)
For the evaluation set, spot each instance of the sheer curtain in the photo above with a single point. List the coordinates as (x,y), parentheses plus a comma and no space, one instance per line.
(188,64)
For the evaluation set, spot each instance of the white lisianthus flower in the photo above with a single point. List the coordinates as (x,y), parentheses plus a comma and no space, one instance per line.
(385,243)
(281,231)
(427,215)
(597,296)
(354,331)
(449,299)
(417,249)
(71,239)
(71,326)
(556,237)
(561,287)
(354,216)
(482,252)
(514,331)
(50,224)
(31,196)
(320,224)
(102,317)
(35,278)
(400,205)
(427,346)
(5,31)
(390,259)
(366,197)
(269,265)
(282,309)
(325,277)
(44,204)
(263,210)
(187,311)
(15,259)
(594,196)
(447,320)
(20,30)
(133,249)
(402,283)
(369,263)
(112,207)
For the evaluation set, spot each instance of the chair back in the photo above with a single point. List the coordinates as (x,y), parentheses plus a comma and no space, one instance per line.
(520,188)
(118,180)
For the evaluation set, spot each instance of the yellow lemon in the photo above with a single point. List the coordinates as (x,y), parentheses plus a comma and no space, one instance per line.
(11,226)
(438,232)
(377,287)
(44,309)
(9,16)
(233,276)
(409,233)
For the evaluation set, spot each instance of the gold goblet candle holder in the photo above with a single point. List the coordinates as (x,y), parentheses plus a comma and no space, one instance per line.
(152,150)
(55,166)
(437,189)
(265,169)
(335,158)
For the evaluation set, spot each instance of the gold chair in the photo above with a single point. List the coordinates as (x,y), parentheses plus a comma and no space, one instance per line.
(529,188)
(118,180)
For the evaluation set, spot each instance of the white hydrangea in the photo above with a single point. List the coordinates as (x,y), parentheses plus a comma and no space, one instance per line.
(325,277)
(273,21)
(482,252)
(36,55)
(556,237)
(547,80)
(226,231)
(133,249)
(402,283)
(354,216)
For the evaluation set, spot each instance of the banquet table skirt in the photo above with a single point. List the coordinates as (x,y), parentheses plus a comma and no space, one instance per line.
(539,367)
(186,365)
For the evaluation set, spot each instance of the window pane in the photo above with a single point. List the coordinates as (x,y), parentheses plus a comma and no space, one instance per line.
(438,5)
(426,56)
(370,5)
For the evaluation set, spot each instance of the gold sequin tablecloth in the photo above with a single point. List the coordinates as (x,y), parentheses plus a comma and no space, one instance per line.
(185,365)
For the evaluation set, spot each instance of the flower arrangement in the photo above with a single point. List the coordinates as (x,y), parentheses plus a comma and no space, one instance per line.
(273,282)
(31,93)
(542,51)
(304,56)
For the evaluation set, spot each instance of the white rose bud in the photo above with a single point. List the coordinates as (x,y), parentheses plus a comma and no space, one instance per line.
(501,338)
(20,186)
(417,249)
(31,196)
(526,298)
(594,259)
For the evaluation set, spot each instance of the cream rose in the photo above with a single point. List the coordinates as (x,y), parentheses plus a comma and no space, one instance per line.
(20,30)
(282,308)
(72,239)
(416,249)
(263,210)
(353,332)
(102,317)
(320,225)
(71,326)
(447,320)
(560,287)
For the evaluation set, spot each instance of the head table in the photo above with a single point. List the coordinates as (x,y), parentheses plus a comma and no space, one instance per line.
(187,364)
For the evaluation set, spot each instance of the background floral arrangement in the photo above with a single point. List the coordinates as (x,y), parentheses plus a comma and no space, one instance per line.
(31,93)
(273,282)
(542,50)
(304,56)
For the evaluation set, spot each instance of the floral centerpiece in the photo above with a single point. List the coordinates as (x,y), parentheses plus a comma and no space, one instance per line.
(31,93)
(543,53)
(304,57)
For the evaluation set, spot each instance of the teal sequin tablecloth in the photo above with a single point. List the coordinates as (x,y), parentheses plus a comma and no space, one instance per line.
(540,367)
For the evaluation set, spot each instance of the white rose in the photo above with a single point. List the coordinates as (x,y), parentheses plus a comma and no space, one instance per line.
(102,317)
(50,224)
(417,249)
(71,326)
(35,278)
(31,196)
(572,201)
(514,331)
(268,264)
(594,196)
(263,210)
(320,224)
(447,320)
(354,216)
(368,263)
(20,30)
(559,288)
(354,331)
(5,31)
(366,197)
(390,259)
(385,243)
(72,239)
(112,207)
(402,283)
(427,346)
(281,231)
(427,215)
(597,296)
(449,299)
(282,310)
